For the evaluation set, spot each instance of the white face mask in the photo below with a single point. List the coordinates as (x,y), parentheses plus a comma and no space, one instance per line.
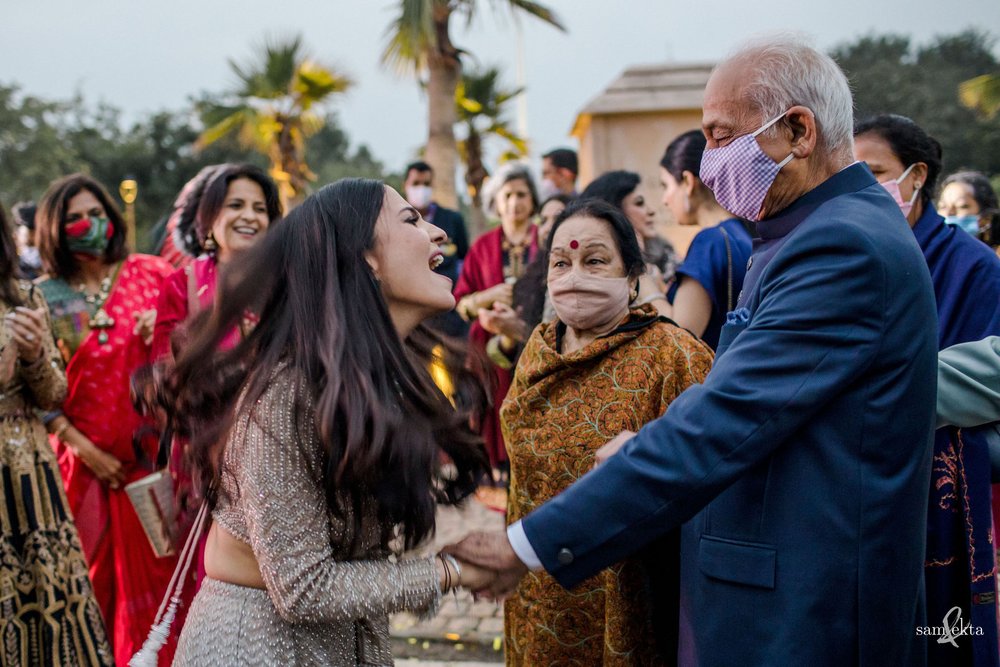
(31,257)
(547,189)
(419,196)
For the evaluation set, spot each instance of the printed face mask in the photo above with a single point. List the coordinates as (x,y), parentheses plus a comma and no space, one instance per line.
(419,196)
(968,223)
(892,187)
(89,236)
(588,303)
(740,174)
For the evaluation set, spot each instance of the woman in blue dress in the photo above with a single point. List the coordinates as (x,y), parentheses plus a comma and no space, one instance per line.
(960,567)
(709,281)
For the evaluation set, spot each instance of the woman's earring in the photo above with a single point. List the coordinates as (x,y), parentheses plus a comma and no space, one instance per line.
(210,243)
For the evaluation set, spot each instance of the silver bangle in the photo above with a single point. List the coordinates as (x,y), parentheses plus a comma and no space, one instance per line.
(458,569)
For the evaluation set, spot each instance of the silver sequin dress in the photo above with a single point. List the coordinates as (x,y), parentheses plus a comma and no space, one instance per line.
(325,602)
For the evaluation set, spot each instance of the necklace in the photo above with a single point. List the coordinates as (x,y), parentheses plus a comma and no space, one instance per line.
(100,321)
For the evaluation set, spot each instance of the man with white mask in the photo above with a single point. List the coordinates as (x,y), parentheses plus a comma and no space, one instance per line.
(29,261)
(418,189)
(800,467)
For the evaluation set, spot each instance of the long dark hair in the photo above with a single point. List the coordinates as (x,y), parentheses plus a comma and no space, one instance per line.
(380,419)
(909,142)
(612,187)
(50,234)
(9,292)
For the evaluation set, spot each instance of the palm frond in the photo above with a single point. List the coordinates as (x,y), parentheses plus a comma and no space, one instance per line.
(539,11)
(313,83)
(981,94)
(411,37)
(236,120)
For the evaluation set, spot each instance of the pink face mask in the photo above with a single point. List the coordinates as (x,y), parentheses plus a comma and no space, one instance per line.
(892,187)
(740,173)
(589,303)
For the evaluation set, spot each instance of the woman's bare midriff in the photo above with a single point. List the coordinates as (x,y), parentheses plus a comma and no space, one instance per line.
(231,560)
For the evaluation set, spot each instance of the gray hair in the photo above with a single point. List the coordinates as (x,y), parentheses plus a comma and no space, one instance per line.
(785,71)
(508,171)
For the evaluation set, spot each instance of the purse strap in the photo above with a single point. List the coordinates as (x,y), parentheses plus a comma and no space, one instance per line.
(160,631)
(729,261)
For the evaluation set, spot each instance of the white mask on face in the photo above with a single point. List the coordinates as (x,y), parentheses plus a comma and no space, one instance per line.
(31,257)
(547,189)
(419,196)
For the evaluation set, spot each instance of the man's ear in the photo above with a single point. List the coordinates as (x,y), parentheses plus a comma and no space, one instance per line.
(802,122)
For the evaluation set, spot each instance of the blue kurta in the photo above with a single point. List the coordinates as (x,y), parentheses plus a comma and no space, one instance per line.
(960,553)
(966,277)
(801,464)
(718,271)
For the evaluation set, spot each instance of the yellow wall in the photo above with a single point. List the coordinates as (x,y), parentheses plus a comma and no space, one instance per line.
(636,142)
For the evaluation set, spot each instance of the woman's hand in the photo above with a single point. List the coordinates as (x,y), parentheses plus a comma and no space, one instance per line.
(144,323)
(499,293)
(611,447)
(27,326)
(504,321)
(468,576)
(105,467)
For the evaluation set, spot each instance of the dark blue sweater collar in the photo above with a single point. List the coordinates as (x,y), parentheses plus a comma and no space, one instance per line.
(850,179)
(928,226)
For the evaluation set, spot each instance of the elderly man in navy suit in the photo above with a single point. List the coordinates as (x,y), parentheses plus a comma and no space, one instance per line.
(800,468)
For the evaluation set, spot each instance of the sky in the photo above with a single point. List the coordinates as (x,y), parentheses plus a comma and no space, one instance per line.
(144,56)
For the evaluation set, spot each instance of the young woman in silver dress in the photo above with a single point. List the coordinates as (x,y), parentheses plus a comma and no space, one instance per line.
(330,436)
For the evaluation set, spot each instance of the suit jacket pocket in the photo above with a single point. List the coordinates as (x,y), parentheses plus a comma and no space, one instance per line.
(738,562)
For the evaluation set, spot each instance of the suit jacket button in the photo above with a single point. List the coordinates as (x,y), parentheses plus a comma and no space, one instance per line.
(565,556)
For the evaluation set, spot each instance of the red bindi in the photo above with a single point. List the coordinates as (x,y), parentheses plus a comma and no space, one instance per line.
(574,244)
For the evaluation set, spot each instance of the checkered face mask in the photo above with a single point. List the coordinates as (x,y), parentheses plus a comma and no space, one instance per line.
(740,173)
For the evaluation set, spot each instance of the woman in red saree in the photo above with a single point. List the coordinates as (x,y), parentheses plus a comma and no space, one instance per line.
(102,302)
(494,263)
(235,206)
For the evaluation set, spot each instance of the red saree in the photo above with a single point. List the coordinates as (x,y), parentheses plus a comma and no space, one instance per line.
(483,268)
(129,580)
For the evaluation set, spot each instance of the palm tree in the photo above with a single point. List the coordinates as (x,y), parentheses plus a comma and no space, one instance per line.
(420,44)
(272,110)
(480,107)
(981,94)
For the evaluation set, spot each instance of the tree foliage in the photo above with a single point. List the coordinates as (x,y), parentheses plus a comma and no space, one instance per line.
(890,74)
(482,104)
(272,110)
(42,140)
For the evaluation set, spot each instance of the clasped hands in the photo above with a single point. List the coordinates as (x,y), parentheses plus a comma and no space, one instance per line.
(489,567)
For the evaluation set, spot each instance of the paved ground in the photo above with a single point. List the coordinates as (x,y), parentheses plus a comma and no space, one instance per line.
(463,630)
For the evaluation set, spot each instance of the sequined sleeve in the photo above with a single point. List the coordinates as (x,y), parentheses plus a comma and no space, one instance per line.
(276,468)
(44,377)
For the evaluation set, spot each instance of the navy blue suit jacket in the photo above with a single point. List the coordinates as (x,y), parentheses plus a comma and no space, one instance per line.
(801,464)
